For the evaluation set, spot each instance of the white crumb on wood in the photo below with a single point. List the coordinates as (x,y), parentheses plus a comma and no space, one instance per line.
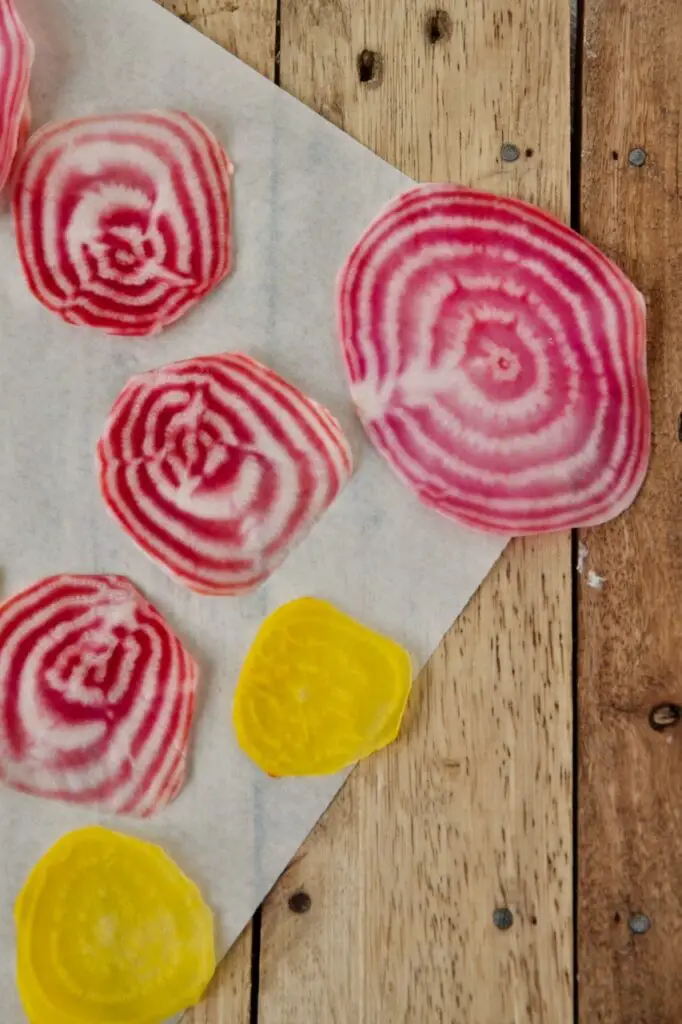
(594,580)
(582,556)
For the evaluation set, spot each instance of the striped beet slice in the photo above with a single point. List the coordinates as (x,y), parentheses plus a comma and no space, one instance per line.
(96,696)
(498,361)
(16,57)
(123,221)
(217,467)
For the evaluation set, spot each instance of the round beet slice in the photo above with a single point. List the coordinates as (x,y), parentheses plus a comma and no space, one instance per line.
(498,361)
(96,696)
(216,467)
(123,221)
(16,57)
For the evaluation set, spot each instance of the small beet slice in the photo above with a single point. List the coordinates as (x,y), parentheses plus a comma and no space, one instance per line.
(217,467)
(16,57)
(110,930)
(498,362)
(318,691)
(96,696)
(123,221)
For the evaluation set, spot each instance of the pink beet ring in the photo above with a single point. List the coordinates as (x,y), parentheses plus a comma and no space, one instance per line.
(497,361)
(123,220)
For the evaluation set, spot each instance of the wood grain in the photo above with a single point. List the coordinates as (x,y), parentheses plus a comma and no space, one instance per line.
(630,823)
(471,809)
(228,1000)
(248,29)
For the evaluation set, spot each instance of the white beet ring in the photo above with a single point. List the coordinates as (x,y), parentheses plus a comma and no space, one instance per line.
(498,361)
(16,57)
(97,696)
(123,221)
(216,467)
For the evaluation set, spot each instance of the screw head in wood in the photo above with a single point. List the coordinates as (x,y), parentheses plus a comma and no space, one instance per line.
(503,918)
(663,716)
(639,924)
(509,152)
(637,157)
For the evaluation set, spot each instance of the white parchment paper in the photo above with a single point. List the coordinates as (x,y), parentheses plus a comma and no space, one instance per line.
(303,192)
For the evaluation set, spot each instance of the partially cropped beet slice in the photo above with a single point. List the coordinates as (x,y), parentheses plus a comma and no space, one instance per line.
(217,467)
(97,696)
(123,221)
(16,56)
(498,361)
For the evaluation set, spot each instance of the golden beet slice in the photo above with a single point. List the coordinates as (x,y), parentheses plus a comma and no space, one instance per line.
(318,691)
(110,931)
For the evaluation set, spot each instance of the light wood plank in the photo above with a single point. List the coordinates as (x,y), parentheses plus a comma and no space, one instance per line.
(248,29)
(228,1000)
(471,809)
(630,832)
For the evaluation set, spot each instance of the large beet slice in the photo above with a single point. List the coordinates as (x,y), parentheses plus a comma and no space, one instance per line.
(498,361)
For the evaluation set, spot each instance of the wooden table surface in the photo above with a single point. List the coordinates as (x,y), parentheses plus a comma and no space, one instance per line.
(392,911)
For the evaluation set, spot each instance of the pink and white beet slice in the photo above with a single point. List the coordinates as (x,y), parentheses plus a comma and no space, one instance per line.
(217,467)
(16,57)
(123,220)
(97,696)
(498,361)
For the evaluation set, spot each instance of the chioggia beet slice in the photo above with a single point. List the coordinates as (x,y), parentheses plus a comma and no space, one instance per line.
(498,362)
(318,691)
(110,931)
(16,57)
(97,696)
(123,221)
(216,467)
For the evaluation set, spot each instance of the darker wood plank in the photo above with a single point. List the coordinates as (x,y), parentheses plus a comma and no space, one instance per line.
(630,632)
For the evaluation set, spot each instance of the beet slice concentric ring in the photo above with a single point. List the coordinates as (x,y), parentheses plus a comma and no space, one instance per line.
(96,696)
(16,57)
(217,467)
(498,361)
(123,221)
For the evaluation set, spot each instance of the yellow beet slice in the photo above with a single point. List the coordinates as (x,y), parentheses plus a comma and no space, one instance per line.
(318,691)
(110,931)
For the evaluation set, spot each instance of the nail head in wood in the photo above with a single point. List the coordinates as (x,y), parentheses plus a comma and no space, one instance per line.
(637,157)
(300,903)
(663,716)
(639,924)
(503,918)
(509,152)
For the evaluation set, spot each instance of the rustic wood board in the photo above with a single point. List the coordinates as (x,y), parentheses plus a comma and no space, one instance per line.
(471,810)
(630,823)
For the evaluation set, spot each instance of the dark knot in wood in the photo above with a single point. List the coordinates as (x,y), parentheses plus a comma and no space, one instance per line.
(438,26)
(300,903)
(370,67)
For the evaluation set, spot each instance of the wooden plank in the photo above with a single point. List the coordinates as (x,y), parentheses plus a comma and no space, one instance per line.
(248,29)
(228,1000)
(630,820)
(471,809)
